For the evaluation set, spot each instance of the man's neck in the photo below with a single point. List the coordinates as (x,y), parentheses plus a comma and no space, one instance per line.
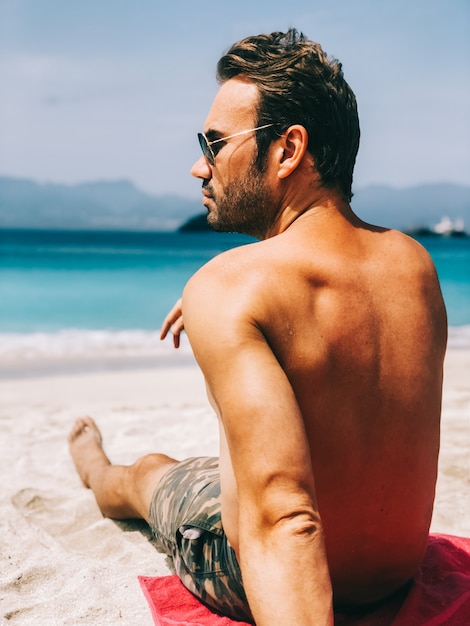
(322,204)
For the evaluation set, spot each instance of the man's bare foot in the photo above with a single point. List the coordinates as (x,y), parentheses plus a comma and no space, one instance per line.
(86,448)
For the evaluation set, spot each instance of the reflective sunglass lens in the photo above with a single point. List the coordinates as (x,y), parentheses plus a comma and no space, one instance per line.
(206,151)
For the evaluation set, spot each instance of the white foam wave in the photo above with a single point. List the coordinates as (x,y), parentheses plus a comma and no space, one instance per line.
(459,337)
(98,344)
(89,344)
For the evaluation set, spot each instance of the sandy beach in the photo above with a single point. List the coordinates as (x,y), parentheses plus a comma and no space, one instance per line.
(61,562)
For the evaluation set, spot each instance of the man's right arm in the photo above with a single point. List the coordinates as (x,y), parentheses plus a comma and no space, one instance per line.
(281,547)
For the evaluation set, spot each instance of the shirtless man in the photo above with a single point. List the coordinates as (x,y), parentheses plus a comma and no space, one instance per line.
(322,347)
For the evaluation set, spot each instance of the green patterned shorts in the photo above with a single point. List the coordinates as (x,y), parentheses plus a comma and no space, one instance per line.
(185,517)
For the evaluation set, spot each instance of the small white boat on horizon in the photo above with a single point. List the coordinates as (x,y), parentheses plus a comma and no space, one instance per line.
(448,227)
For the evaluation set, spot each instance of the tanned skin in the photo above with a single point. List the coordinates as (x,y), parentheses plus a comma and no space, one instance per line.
(322,346)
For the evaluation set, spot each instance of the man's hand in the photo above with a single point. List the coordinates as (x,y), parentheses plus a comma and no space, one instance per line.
(174,322)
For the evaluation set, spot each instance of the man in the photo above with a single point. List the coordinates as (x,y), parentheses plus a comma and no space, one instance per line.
(322,348)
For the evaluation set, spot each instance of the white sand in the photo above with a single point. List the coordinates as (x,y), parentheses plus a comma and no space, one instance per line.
(60,561)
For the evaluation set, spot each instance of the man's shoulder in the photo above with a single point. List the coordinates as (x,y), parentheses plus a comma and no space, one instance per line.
(224,301)
(236,288)
(225,276)
(236,268)
(409,250)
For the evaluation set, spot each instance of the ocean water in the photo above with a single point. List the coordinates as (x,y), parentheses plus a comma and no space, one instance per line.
(107,293)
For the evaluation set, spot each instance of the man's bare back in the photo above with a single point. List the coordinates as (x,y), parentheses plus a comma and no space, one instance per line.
(322,348)
(346,309)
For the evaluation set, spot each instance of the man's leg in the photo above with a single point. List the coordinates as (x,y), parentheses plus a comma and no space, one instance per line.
(122,492)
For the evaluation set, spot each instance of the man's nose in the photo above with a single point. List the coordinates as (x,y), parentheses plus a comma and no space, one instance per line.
(202,168)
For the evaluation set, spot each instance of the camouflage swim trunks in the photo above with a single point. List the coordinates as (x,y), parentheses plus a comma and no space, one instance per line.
(185,517)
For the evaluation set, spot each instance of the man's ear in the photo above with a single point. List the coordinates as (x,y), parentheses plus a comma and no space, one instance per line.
(294,146)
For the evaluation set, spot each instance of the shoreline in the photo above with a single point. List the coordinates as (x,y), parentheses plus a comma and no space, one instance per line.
(69,366)
(78,351)
(60,561)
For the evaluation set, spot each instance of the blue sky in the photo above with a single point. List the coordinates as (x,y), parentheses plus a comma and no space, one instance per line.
(109,89)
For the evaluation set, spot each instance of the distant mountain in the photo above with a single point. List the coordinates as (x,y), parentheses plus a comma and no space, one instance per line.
(412,208)
(196,224)
(120,205)
(115,205)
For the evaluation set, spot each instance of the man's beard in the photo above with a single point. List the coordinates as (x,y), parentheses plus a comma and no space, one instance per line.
(245,206)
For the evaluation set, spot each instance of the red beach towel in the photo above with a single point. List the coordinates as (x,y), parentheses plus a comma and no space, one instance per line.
(439,595)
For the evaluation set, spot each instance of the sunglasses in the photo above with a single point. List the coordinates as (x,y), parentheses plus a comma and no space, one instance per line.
(206,144)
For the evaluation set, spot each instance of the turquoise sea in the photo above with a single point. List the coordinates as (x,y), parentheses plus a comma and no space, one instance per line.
(69,291)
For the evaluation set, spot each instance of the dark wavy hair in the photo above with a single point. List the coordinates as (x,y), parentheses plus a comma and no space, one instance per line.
(299,84)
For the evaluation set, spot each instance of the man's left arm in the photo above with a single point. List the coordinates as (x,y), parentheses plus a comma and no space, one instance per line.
(281,547)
